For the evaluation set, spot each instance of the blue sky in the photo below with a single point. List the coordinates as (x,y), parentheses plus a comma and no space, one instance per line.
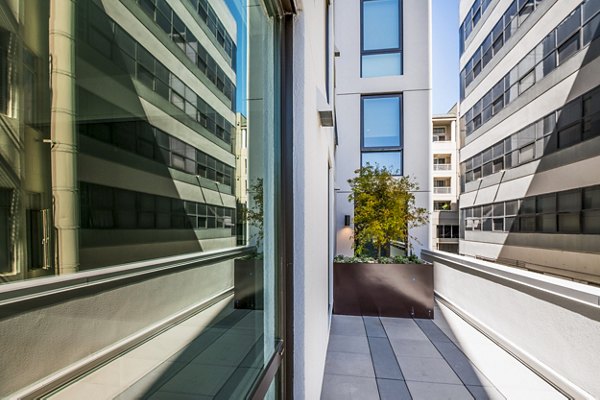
(445,55)
(238,9)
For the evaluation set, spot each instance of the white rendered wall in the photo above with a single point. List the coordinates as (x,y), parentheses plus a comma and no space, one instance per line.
(313,154)
(562,340)
(415,87)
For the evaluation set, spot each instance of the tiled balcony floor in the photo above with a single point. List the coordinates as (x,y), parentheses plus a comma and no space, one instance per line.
(389,358)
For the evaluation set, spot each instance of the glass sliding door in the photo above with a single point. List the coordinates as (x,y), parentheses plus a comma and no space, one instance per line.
(151,139)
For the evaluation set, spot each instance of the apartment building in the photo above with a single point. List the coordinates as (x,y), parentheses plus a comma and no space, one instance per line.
(529,112)
(383,104)
(134,137)
(444,216)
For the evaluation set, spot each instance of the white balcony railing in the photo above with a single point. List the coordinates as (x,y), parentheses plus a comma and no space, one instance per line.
(442,167)
(442,190)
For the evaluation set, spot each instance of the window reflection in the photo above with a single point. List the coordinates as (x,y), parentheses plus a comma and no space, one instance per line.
(390,160)
(138,142)
(382,132)
(381,122)
(381,38)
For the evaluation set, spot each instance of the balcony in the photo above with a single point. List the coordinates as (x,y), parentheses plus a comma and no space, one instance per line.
(442,190)
(442,167)
(391,358)
(515,335)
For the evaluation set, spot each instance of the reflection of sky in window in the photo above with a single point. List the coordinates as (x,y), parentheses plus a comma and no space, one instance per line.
(392,160)
(381,122)
(238,10)
(381,20)
(381,65)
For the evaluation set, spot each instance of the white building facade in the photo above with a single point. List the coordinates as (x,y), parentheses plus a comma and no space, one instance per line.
(529,119)
(383,100)
(444,217)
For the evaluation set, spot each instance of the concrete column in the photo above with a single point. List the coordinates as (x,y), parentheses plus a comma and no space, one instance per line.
(64,134)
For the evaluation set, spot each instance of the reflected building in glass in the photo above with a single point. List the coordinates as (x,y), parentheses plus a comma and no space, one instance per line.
(136,138)
(122,148)
(383,77)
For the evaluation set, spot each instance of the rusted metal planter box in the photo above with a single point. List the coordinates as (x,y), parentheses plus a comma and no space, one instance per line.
(385,290)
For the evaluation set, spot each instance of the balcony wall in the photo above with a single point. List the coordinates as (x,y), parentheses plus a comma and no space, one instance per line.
(550,324)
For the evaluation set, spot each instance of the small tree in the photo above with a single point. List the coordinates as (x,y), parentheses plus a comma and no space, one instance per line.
(254,214)
(384,208)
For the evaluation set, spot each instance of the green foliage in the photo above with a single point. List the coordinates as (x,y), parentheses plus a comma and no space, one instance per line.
(254,214)
(381,260)
(384,208)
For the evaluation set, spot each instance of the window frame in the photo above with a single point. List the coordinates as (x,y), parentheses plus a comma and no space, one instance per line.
(383,149)
(392,50)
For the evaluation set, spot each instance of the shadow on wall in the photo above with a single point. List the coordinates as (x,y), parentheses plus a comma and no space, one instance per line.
(562,221)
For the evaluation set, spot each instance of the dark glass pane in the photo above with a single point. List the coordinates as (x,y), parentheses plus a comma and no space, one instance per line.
(568,26)
(591,30)
(569,201)
(591,222)
(527,224)
(498,210)
(528,206)
(546,203)
(591,198)
(570,113)
(567,49)
(510,224)
(569,136)
(546,223)
(590,7)
(498,224)
(487,224)
(512,207)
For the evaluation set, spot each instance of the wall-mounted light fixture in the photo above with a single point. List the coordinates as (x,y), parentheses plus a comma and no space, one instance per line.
(346,220)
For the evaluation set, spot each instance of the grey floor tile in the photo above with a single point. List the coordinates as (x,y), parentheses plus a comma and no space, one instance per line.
(347,325)
(398,322)
(354,364)
(450,351)
(438,391)
(414,348)
(485,393)
(340,387)
(391,389)
(348,344)
(432,331)
(384,361)
(427,370)
(396,328)
(374,327)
